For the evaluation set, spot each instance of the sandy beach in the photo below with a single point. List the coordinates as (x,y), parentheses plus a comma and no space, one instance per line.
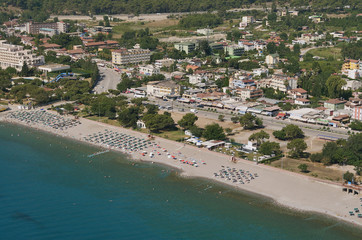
(289,189)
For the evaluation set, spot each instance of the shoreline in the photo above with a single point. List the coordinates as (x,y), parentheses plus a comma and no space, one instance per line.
(285,189)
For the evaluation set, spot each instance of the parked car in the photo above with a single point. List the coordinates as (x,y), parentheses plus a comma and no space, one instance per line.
(193,110)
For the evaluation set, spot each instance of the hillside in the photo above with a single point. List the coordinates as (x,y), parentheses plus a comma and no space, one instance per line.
(155,6)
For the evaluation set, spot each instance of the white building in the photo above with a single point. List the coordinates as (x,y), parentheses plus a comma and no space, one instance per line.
(352,85)
(246,20)
(198,78)
(205,31)
(130,56)
(162,88)
(15,56)
(167,62)
(149,70)
(282,82)
(302,101)
(259,71)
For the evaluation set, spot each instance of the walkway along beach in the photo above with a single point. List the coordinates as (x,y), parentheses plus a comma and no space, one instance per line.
(286,188)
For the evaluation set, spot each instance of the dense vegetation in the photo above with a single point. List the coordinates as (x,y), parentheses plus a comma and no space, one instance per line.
(39,8)
(200,20)
(342,152)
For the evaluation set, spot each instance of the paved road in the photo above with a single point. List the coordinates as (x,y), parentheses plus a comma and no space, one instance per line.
(108,80)
(269,122)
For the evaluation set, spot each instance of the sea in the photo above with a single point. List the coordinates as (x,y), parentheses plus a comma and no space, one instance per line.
(51,189)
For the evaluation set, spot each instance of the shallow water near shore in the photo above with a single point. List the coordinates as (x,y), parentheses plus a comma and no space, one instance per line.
(50,189)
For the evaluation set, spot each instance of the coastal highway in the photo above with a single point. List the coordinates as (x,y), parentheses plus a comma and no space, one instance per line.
(269,122)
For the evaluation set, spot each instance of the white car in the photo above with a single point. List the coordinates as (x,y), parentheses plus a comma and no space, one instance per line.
(193,110)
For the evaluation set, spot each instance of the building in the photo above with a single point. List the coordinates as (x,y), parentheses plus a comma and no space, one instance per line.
(166,62)
(297,93)
(34,28)
(54,68)
(234,50)
(101,44)
(250,93)
(48,31)
(187,47)
(149,70)
(302,101)
(352,85)
(216,46)
(205,31)
(272,59)
(260,71)
(15,56)
(130,56)
(282,82)
(245,21)
(248,46)
(163,89)
(350,64)
(238,83)
(334,104)
(357,113)
(315,18)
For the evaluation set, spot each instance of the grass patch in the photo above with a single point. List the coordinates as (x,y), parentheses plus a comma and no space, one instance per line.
(336,65)
(171,135)
(104,120)
(327,53)
(317,170)
(154,26)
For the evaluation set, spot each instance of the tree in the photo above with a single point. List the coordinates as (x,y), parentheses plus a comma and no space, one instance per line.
(316,157)
(259,137)
(334,85)
(268,148)
(221,118)
(103,106)
(205,47)
(290,131)
(293,131)
(196,131)
(24,70)
(152,109)
(303,167)
(129,116)
(157,122)
(125,84)
(214,131)
(348,176)
(69,107)
(187,121)
(235,119)
(356,125)
(249,121)
(296,147)
(228,131)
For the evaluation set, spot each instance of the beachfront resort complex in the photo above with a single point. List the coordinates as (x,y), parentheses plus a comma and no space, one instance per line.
(173,107)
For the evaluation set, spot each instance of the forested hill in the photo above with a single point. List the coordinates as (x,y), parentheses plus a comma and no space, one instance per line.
(154,6)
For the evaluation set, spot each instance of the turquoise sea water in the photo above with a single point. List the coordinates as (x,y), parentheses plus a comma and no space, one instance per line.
(49,189)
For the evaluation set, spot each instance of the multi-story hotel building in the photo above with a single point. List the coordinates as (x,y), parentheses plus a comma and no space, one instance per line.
(127,56)
(15,56)
(35,28)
